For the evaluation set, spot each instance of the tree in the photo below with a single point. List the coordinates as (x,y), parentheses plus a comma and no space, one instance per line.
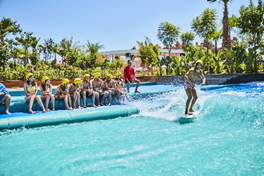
(232,23)
(14,51)
(73,56)
(205,25)
(226,29)
(187,38)
(149,53)
(93,50)
(5,54)
(46,48)
(262,47)
(7,26)
(83,58)
(235,61)
(117,64)
(168,34)
(251,23)
(66,46)
(160,63)
(216,36)
(34,56)
(25,40)
(21,54)
(43,49)
(55,49)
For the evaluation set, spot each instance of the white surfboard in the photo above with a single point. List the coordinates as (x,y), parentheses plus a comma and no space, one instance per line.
(188,118)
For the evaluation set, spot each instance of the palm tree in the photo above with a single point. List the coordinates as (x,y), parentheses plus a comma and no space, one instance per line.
(34,44)
(42,49)
(8,26)
(25,40)
(82,55)
(67,45)
(46,48)
(93,49)
(226,29)
(55,50)
(21,54)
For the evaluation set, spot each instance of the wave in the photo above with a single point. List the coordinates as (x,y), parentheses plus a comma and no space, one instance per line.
(232,106)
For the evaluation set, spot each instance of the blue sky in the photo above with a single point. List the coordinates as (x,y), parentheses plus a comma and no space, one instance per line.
(116,24)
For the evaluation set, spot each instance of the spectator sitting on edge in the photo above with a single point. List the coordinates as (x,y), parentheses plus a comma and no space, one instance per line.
(5,97)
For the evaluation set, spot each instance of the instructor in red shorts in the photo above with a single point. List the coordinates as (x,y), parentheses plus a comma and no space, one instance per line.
(130,76)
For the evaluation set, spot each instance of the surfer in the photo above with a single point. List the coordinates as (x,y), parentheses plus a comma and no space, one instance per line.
(189,86)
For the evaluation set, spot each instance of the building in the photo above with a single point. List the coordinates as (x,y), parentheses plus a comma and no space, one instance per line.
(127,54)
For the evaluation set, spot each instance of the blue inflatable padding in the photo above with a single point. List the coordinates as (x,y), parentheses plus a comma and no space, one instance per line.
(19,105)
(21,92)
(18,120)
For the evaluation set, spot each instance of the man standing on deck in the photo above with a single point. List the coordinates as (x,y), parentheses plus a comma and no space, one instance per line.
(190,76)
(130,76)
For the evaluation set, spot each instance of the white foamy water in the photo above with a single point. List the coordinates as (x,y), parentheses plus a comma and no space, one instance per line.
(170,106)
(234,93)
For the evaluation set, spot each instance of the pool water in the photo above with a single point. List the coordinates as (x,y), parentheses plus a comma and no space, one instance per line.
(227,138)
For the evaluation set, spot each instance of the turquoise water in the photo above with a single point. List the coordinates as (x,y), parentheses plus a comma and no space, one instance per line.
(227,138)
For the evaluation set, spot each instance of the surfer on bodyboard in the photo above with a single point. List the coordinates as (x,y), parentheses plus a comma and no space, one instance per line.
(189,86)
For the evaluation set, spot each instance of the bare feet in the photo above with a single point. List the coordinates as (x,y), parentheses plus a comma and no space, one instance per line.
(48,110)
(109,104)
(188,113)
(79,107)
(84,106)
(74,107)
(31,112)
(191,110)
(94,106)
(7,112)
(118,103)
(69,108)
(101,104)
(129,100)
(43,111)
(53,109)
(137,91)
